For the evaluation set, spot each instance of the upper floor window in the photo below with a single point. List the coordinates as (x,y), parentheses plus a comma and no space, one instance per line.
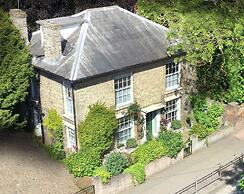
(68,100)
(125,126)
(172,76)
(123,91)
(172,110)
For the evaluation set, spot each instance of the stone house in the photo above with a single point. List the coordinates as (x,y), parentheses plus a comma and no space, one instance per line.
(103,54)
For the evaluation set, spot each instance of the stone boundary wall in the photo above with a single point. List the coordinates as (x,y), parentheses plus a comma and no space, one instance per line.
(199,144)
(121,182)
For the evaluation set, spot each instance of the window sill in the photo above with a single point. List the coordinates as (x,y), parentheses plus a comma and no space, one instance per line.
(123,106)
(170,90)
(70,117)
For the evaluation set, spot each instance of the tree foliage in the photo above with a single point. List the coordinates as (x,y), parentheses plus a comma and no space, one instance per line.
(97,131)
(211,33)
(15,71)
(44,9)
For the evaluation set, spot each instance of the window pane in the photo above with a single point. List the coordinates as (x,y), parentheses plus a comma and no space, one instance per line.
(123,90)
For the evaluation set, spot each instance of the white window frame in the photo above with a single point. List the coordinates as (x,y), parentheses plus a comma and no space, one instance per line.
(176,109)
(71,141)
(131,127)
(126,103)
(171,76)
(68,100)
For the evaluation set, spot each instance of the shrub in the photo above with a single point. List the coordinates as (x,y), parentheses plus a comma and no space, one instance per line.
(82,164)
(131,143)
(241,183)
(199,130)
(54,124)
(115,163)
(176,124)
(104,175)
(120,145)
(172,141)
(147,152)
(137,171)
(96,132)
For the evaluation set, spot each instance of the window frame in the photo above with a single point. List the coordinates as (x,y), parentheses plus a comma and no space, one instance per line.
(123,104)
(171,75)
(68,100)
(131,127)
(176,110)
(71,145)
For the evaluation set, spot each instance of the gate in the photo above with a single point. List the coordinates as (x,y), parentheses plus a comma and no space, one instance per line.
(87,190)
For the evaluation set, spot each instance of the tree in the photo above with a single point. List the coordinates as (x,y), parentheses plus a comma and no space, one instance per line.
(96,132)
(44,9)
(15,71)
(211,34)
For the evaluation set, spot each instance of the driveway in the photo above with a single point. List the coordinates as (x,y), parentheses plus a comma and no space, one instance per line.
(27,169)
(193,167)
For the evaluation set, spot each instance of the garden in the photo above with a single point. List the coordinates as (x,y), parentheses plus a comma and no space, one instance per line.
(96,156)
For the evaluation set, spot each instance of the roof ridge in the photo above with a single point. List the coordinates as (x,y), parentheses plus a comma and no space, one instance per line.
(143,18)
(80,45)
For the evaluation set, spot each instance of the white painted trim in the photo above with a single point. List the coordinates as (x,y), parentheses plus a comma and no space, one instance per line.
(153,107)
(66,114)
(172,97)
(67,126)
(124,105)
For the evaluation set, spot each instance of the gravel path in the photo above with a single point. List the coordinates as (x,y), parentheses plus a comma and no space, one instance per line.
(27,169)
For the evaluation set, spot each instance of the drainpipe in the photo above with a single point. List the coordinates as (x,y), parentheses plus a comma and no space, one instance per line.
(74,110)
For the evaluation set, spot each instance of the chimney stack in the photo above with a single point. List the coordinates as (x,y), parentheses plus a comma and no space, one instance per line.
(19,19)
(51,39)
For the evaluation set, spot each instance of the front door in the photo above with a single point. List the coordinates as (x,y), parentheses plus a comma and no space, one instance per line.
(149,124)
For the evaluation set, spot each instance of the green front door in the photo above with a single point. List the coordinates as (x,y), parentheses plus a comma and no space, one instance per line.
(149,119)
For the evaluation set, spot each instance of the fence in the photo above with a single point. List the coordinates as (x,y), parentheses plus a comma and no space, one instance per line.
(87,190)
(211,177)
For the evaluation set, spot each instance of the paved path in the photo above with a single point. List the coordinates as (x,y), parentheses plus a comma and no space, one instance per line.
(193,167)
(27,169)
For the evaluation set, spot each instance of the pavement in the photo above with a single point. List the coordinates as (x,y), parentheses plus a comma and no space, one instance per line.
(25,168)
(188,170)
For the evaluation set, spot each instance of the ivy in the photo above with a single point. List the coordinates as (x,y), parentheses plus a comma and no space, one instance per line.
(54,124)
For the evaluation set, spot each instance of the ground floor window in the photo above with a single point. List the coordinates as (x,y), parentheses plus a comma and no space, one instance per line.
(172,110)
(125,126)
(71,137)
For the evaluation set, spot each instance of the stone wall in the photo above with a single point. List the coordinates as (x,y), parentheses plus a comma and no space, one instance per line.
(148,88)
(121,182)
(51,97)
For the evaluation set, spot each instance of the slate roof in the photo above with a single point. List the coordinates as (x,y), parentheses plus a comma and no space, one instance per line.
(109,39)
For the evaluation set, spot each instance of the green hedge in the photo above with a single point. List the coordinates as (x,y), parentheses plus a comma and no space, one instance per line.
(82,164)
(148,152)
(137,171)
(172,141)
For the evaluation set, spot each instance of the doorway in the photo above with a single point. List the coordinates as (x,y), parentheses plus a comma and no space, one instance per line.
(150,119)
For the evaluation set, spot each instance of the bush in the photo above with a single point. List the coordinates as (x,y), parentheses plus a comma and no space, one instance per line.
(176,124)
(82,164)
(131,143)
(96,132)
(241,183)
(172,141)
(200,131)
(115,163)
(137,171)
(104,175)
(147,152)
(54,124)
